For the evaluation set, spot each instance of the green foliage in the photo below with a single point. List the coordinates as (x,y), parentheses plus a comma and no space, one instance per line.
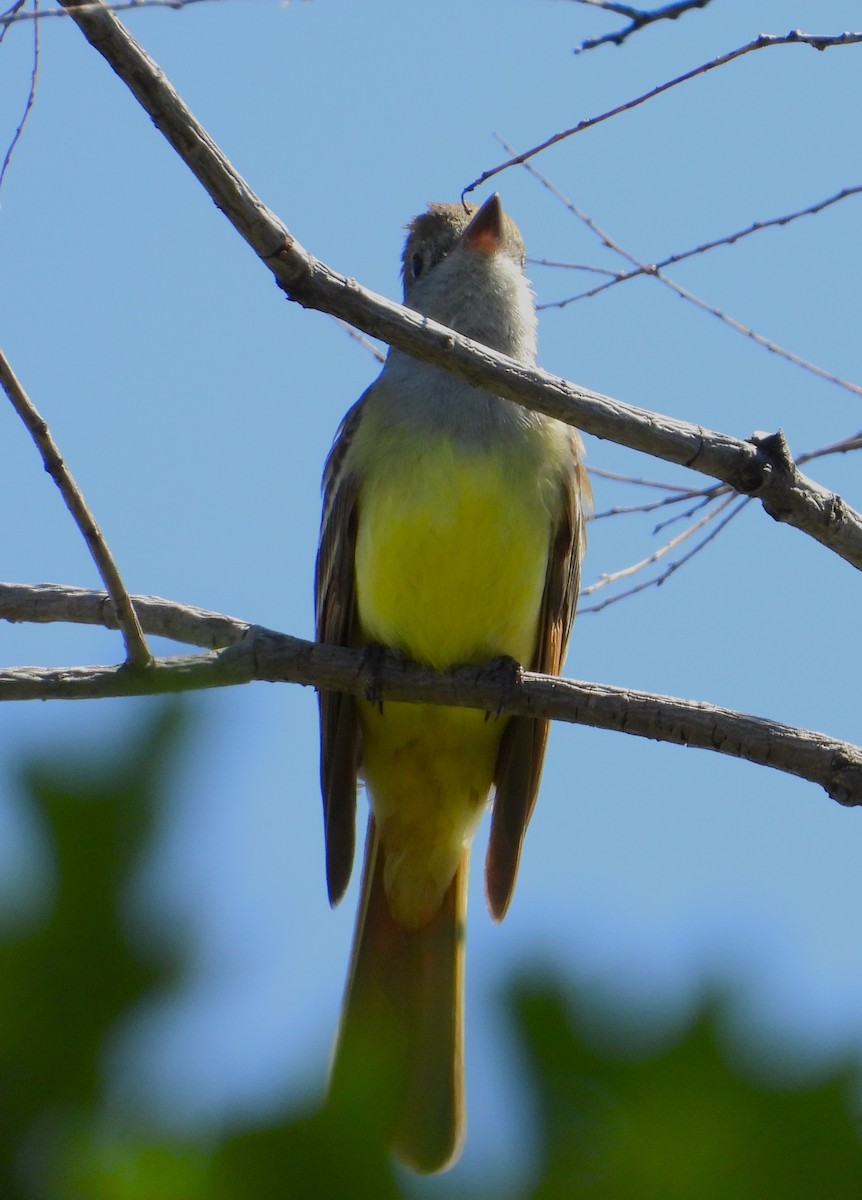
(680,1124)
(683,1123)
(66,982)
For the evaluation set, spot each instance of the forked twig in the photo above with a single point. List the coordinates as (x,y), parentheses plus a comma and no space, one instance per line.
(702,497)
(10,15)
(633,568)
(729,239)
(707,498)
(658,580)
(638,19)
(711,491)
(684,293)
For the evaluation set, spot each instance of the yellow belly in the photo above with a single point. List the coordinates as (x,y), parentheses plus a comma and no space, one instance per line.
(451,557)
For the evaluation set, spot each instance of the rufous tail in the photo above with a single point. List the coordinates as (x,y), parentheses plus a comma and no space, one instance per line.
(402,1018)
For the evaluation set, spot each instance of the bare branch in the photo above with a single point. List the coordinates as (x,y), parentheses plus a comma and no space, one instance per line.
(633,568)
(13,13)
(658,580)
(622,10)
(843,447)
(762,42)
(263,654)
(748,468)
(364,342)
(706,497)
(604,473)
(31,96)
(613,276)
(702,497)
(18,12)
(767,344)
(137,653)
(683,293)
(678,496)
(728,240)
(45,603)
(638,20)
(679,493)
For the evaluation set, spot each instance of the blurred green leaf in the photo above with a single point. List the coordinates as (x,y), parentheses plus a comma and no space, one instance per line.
(66,982)
(683,1123)
(92,1164)
(331,1152)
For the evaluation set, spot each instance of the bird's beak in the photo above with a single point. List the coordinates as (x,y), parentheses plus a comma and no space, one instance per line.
(485,231)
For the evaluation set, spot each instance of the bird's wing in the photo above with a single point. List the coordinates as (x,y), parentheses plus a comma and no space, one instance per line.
(335,623)
(522,750)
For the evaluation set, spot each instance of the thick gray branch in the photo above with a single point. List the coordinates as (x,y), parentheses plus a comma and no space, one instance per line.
(253,653)
(43,603)
(748,468)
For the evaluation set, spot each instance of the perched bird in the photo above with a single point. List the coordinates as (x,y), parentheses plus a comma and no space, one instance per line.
(452,533)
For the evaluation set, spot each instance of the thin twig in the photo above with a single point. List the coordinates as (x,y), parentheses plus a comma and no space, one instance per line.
(763,42)
(626,510)
(702,496)
(672,259)
(263,654)
(758,338)
(19,13)
(604,473)
(671,568)
(363,341)
(707,498)
(137,653)
(684,293)
(31,96)
(566,266)
(633,568)
(622,10)
(679,496)
(679,493)
(10,15)
(638,20)
(842,447)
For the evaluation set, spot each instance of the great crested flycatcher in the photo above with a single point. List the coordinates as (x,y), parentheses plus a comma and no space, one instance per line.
(452,532)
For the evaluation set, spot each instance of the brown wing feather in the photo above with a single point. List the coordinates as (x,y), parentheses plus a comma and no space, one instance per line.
(522,750)
(335,619)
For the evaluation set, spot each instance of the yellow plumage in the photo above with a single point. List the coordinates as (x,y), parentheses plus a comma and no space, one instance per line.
(452,533)
(451,556)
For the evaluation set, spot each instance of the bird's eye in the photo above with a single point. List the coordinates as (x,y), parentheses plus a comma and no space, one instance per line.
(416,265)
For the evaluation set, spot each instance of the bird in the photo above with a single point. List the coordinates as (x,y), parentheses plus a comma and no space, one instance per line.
(452,533)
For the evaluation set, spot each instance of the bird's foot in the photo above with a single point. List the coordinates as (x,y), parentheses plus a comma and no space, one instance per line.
(506,673)
(373,658)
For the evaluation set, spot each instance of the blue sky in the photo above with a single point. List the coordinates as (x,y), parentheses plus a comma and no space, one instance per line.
(196,406)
